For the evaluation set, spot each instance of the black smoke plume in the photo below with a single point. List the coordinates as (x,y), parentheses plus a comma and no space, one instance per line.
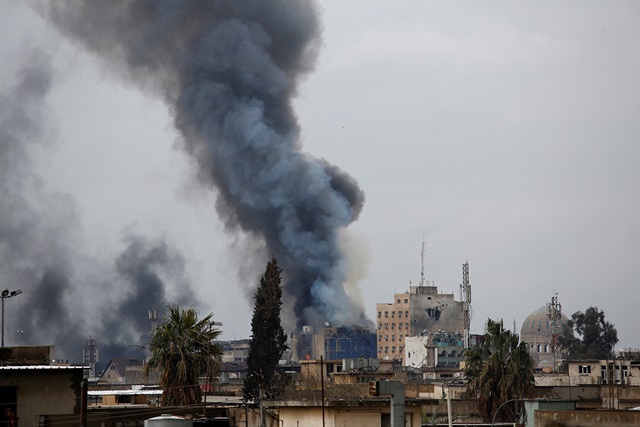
(229,69)
(34,225)
(39,241)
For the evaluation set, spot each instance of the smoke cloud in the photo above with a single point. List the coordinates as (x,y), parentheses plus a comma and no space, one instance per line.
(40,234)
(229,70)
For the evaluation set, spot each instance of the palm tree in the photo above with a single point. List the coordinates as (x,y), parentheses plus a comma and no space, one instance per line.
(500,371)
(183,348)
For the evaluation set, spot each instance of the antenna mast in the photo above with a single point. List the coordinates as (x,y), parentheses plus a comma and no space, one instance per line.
(554,314)
(465,289)
(90,356)
(422,263)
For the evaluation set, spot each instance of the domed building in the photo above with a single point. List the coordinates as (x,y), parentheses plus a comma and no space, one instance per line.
(537,332)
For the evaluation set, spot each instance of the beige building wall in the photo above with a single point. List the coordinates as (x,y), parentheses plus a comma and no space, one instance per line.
(310,415)
(410,313)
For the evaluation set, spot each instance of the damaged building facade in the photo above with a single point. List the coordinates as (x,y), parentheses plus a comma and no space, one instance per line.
(333,343)
(422,310)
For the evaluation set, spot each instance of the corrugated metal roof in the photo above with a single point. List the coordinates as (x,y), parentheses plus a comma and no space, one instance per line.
(123,392)
(41,368)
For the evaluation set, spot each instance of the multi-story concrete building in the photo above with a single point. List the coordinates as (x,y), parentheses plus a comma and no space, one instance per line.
(421,310)
(434,350)
(333,343)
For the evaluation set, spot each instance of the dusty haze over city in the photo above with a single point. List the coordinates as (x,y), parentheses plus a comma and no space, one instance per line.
(505,135)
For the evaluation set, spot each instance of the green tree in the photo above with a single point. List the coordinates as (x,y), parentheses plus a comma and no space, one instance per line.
(184,348)
(268,340)
(595,336)
(499,371)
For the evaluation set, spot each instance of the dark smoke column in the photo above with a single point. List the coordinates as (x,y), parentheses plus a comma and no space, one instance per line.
(229,71)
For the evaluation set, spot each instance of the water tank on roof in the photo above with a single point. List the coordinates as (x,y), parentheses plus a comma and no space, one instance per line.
(168,420)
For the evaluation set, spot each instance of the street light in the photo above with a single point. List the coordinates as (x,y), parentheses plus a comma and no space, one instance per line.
(6,293)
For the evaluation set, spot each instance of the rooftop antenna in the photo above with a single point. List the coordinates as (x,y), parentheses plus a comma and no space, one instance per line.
(422,263)
(153,318)
(90,356)
(465,290)
(554,314)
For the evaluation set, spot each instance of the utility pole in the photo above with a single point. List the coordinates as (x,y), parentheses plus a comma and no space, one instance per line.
(4,295)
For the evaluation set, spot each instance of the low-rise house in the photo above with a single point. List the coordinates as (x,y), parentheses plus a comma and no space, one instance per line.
(116,370)
(30,394)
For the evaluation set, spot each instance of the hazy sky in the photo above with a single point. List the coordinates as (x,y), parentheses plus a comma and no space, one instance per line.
(505,134)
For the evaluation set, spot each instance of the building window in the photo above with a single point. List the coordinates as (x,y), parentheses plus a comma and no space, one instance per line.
(393,314)
(546,348)
(399,314)
(399,325)
(386,326)
(379,349)
(393,337)
(379,337)
(386,337)
(379,325)
(406,300)
(539,347)
(393,326)
(584,369)
(398,301)
(406,325)
(393,349)
(406,314)
(386,314)
(379,314)
(603,373)
(386,349)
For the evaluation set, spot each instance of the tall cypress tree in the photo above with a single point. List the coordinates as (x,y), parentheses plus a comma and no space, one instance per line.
(268,340)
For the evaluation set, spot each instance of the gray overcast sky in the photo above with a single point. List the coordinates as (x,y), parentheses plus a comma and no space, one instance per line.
(506,134)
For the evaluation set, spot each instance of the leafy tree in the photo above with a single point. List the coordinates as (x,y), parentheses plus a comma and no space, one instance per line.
(596,337)
(268,340)
(499,369)
(183,348)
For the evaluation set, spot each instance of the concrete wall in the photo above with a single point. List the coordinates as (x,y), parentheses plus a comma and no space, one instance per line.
(586,418)
(311,416)
(46,391)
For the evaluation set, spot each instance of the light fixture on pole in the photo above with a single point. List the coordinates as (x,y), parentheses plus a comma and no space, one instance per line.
(6,293)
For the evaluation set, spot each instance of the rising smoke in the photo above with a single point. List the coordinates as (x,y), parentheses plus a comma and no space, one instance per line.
(228,70)
(39,237)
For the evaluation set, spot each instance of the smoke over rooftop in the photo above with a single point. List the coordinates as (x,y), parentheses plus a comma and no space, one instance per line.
(228,71)
(40,237)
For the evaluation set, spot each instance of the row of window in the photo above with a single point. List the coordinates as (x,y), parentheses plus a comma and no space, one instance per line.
(620,372)
(393,337)
(393,325)
(540,348)
(386,349)
(393,314)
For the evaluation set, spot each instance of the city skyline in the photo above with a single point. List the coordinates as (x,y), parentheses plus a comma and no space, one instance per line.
(502,135)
